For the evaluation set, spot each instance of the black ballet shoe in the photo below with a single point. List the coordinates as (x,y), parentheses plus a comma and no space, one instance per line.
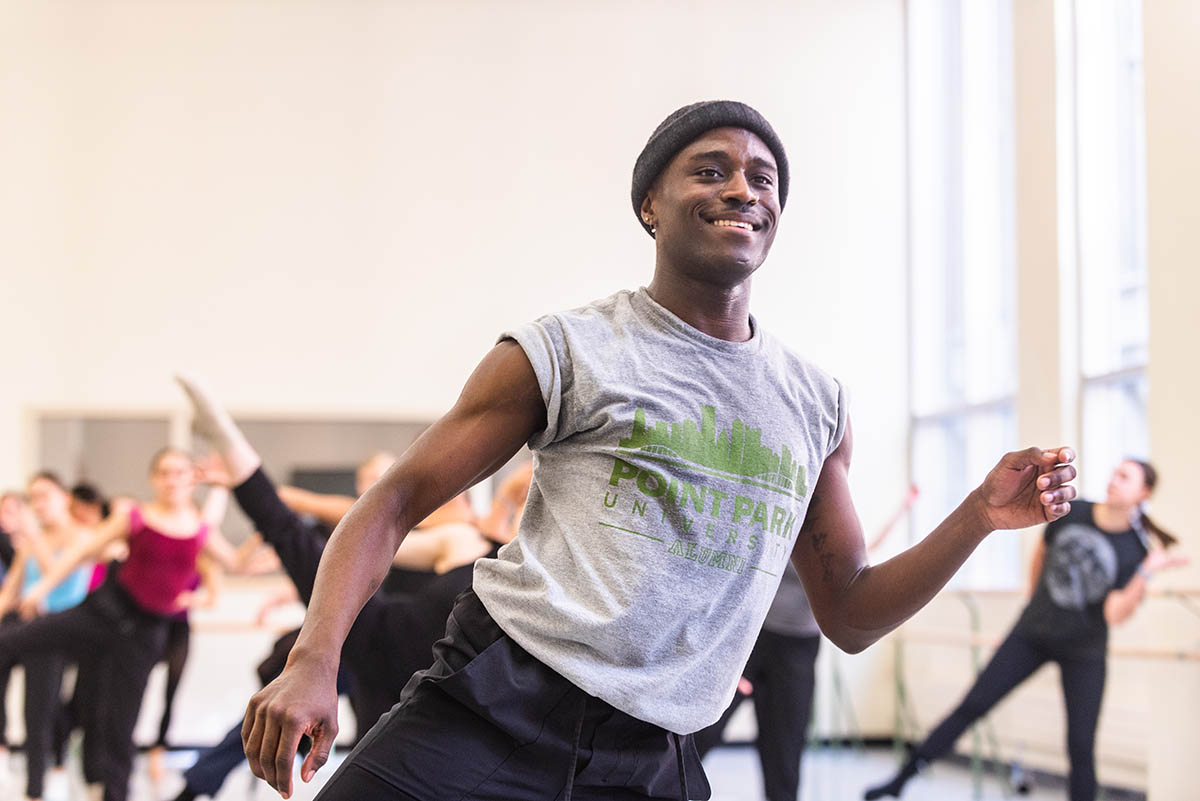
(890,790)
(895,787)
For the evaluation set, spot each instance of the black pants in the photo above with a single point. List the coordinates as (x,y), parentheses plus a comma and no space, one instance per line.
(7,663)
(43,713)
(47,726)
(83,712)
(1014,661)
(782,669)
(109,628)
(488,721)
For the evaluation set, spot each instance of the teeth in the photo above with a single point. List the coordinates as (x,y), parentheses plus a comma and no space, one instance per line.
(734,224)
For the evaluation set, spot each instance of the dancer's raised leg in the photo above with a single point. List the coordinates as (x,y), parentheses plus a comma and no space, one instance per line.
(213,423)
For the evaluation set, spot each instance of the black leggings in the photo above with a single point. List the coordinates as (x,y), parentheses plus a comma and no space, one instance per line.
(82,712)
(43,713)
(46,726)
(179,635)
(1014,661)
(782,669)
(7,662)
(109,629)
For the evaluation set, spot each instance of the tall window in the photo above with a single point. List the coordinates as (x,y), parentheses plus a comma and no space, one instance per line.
(1102,44)
(962,256)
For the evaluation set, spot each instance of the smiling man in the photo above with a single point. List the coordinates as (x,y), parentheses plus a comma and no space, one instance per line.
(682,457)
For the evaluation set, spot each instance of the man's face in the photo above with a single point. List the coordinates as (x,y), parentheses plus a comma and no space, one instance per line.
(716,204)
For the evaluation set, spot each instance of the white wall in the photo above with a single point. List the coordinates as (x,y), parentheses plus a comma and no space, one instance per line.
(326,205)
(36,241)
(335,207)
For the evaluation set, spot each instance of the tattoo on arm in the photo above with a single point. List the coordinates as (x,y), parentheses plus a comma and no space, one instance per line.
(818,538)
(823,556)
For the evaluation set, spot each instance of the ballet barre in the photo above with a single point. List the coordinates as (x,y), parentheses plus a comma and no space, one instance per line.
(935,637)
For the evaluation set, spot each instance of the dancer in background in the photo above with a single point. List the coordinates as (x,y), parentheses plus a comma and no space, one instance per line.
(40,546)
(123,624)
(1090,571)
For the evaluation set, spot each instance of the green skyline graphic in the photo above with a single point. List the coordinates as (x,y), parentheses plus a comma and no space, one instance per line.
(737,450)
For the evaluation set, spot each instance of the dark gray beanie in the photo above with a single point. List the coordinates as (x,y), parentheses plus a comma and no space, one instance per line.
(682,128)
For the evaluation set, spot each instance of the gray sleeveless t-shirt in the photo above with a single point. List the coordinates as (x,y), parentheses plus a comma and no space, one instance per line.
(668,489)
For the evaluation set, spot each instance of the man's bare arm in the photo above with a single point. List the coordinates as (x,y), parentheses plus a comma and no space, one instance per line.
(499,409)
(855,603)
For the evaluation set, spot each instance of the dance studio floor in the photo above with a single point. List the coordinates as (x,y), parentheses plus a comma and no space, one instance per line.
(830,775)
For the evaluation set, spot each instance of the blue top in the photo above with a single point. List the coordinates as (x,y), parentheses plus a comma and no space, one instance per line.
(67,594)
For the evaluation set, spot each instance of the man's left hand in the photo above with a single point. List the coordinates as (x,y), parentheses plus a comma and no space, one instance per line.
(1027,488)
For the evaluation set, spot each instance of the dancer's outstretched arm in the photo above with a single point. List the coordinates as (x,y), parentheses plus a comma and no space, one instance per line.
(1120,604)
(326,508)
(499,409)
(856,603)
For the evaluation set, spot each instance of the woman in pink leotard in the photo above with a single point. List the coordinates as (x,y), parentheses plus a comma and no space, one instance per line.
(122,626)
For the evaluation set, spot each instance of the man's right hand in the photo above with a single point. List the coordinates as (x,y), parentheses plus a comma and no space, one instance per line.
(303,700)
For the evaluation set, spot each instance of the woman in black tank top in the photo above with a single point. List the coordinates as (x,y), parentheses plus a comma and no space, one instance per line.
(1089,571)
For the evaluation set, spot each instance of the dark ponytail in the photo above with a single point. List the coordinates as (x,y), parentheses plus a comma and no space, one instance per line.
(1142,523)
